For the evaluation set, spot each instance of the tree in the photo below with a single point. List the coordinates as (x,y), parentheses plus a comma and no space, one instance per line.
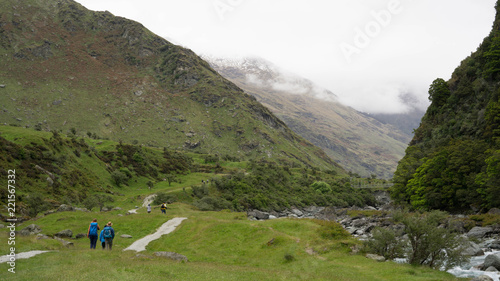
(119,178)
(430,244)
(387,243)
(321,187)
(439,92)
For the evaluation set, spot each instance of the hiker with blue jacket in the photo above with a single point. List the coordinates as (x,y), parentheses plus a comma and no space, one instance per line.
(92,233)
(108,233)
(101,238)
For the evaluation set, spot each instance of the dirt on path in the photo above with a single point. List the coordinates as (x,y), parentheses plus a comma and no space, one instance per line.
(169,226)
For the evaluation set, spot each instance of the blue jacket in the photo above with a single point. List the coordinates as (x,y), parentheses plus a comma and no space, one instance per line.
(112,232)
(101,237)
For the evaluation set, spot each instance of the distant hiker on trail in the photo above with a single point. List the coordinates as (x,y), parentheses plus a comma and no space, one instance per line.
(164,208)
(109,234)
(101,238)
(149,208)
(92,233)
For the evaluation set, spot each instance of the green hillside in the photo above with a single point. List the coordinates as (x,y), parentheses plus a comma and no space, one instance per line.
(69,69)
(453,161)
(53,169)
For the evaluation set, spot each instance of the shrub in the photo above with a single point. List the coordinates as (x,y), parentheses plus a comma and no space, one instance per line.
(429,244)
(119,178)
(386,242)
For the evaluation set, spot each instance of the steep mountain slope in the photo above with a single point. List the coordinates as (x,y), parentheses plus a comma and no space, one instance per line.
(91,73)
(356,141)
(453,161)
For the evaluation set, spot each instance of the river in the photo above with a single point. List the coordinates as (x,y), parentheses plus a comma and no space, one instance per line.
(469,270)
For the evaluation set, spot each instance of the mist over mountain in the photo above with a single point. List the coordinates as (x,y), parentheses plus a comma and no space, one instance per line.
(357,141)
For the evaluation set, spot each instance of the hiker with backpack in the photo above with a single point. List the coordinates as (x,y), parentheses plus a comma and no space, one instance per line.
(109,234)
(92,233)
(164,208)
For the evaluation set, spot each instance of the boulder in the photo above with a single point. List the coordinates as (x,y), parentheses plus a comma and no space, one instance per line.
(64,233)
(492,260)
(31,229)
(258,215)
(491,269)
(125,236)
(40,236)
(473,250)
(479,232)
(495,245)
(171,255)
(64,242)
(375,257)
(80,235)
(65,208)
(297,212)
(482,278)
(494,211)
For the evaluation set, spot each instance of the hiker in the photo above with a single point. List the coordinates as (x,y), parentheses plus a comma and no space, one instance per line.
(101,238)
(164,208)
(92,233)
(149,208)
(109,234)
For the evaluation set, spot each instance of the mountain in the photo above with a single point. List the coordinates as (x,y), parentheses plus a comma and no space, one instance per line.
(453,161)
(92,74)
(358,142)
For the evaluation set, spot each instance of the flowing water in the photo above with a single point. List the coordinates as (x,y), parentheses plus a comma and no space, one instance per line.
(469,270)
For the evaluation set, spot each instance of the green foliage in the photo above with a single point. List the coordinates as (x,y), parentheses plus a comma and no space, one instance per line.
(430,244)
(321,187)
(439,92)
(97,200)
(162,197)
(36,204)
(119,178)
(331,230)
(386,242)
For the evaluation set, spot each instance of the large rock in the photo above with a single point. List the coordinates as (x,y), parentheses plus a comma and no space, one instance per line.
(64,233)
(479,232)
(258,215)
(375,257)
(64,242)
(171,255)
(31,229)
(492,260)
(494,211)
(65,208)
(473,250)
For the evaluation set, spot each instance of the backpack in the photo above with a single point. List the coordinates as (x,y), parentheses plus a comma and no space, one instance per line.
(107,232)
(93,229)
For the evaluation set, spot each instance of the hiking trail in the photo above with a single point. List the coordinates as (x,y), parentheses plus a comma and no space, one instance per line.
(166,228)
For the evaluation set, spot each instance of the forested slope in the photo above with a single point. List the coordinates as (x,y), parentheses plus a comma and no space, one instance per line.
(453,161)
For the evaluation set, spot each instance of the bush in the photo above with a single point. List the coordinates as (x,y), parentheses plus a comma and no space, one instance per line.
(428,243)
(386,242)
(119,178)
(162,197)
(36,204)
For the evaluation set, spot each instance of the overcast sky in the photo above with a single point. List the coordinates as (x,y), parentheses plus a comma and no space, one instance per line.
(367,52)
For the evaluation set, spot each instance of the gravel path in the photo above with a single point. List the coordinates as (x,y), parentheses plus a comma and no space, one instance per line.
(169,226)
(25,255)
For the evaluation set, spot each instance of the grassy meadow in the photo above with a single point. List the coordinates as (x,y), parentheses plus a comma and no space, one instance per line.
(219,245)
